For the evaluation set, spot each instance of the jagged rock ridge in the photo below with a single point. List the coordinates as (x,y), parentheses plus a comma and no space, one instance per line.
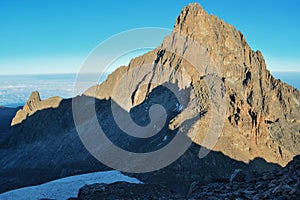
(34,104)
(263,114)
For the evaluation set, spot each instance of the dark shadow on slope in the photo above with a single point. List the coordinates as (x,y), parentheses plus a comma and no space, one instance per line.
(215,167)
(140,115)
(6,116)
(46,146)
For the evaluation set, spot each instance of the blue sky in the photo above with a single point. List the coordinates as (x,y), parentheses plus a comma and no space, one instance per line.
(56,36)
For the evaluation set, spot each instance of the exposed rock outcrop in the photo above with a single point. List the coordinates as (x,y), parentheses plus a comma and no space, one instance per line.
(252,185)
(262,113)
(240,185)
(122,190)
(34,104)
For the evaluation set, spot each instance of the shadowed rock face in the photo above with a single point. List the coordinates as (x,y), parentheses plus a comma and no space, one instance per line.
(6,116)
(35,153)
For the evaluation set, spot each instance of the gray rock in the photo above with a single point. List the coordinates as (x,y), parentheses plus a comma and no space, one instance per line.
(282,190)
(123,190)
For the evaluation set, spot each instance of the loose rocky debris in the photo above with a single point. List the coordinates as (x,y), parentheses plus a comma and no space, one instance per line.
(123,190)
(279,184)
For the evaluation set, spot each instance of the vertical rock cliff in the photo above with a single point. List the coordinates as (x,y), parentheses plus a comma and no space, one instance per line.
(262,113)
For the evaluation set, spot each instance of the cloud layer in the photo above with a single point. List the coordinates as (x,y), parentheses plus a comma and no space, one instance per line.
(15,90)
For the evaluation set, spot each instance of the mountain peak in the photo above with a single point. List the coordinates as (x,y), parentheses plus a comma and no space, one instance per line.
(189,14)
(33,104)
(193,9)
(225,44)
(262,113)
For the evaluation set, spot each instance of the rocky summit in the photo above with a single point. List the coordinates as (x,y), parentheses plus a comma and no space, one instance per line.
(34,104)
(262,113)
(208,80)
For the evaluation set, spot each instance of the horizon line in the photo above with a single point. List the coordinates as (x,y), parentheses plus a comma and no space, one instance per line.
(60,73)
(93,73)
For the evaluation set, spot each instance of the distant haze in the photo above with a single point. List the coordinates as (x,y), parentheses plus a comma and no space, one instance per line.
(15,90)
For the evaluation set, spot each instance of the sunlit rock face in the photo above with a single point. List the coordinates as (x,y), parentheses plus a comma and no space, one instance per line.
(34,104)
(262,113)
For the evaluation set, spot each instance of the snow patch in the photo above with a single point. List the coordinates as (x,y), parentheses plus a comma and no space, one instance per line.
(165,138)
(66,187)
(178,108)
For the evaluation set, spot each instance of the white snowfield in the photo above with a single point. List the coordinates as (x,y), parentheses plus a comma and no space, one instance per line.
(64,188)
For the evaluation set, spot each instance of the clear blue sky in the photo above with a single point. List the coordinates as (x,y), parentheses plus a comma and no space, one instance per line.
(54,36)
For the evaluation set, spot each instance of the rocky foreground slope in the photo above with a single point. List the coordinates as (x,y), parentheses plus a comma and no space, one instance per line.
(280,184)
(261,121)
